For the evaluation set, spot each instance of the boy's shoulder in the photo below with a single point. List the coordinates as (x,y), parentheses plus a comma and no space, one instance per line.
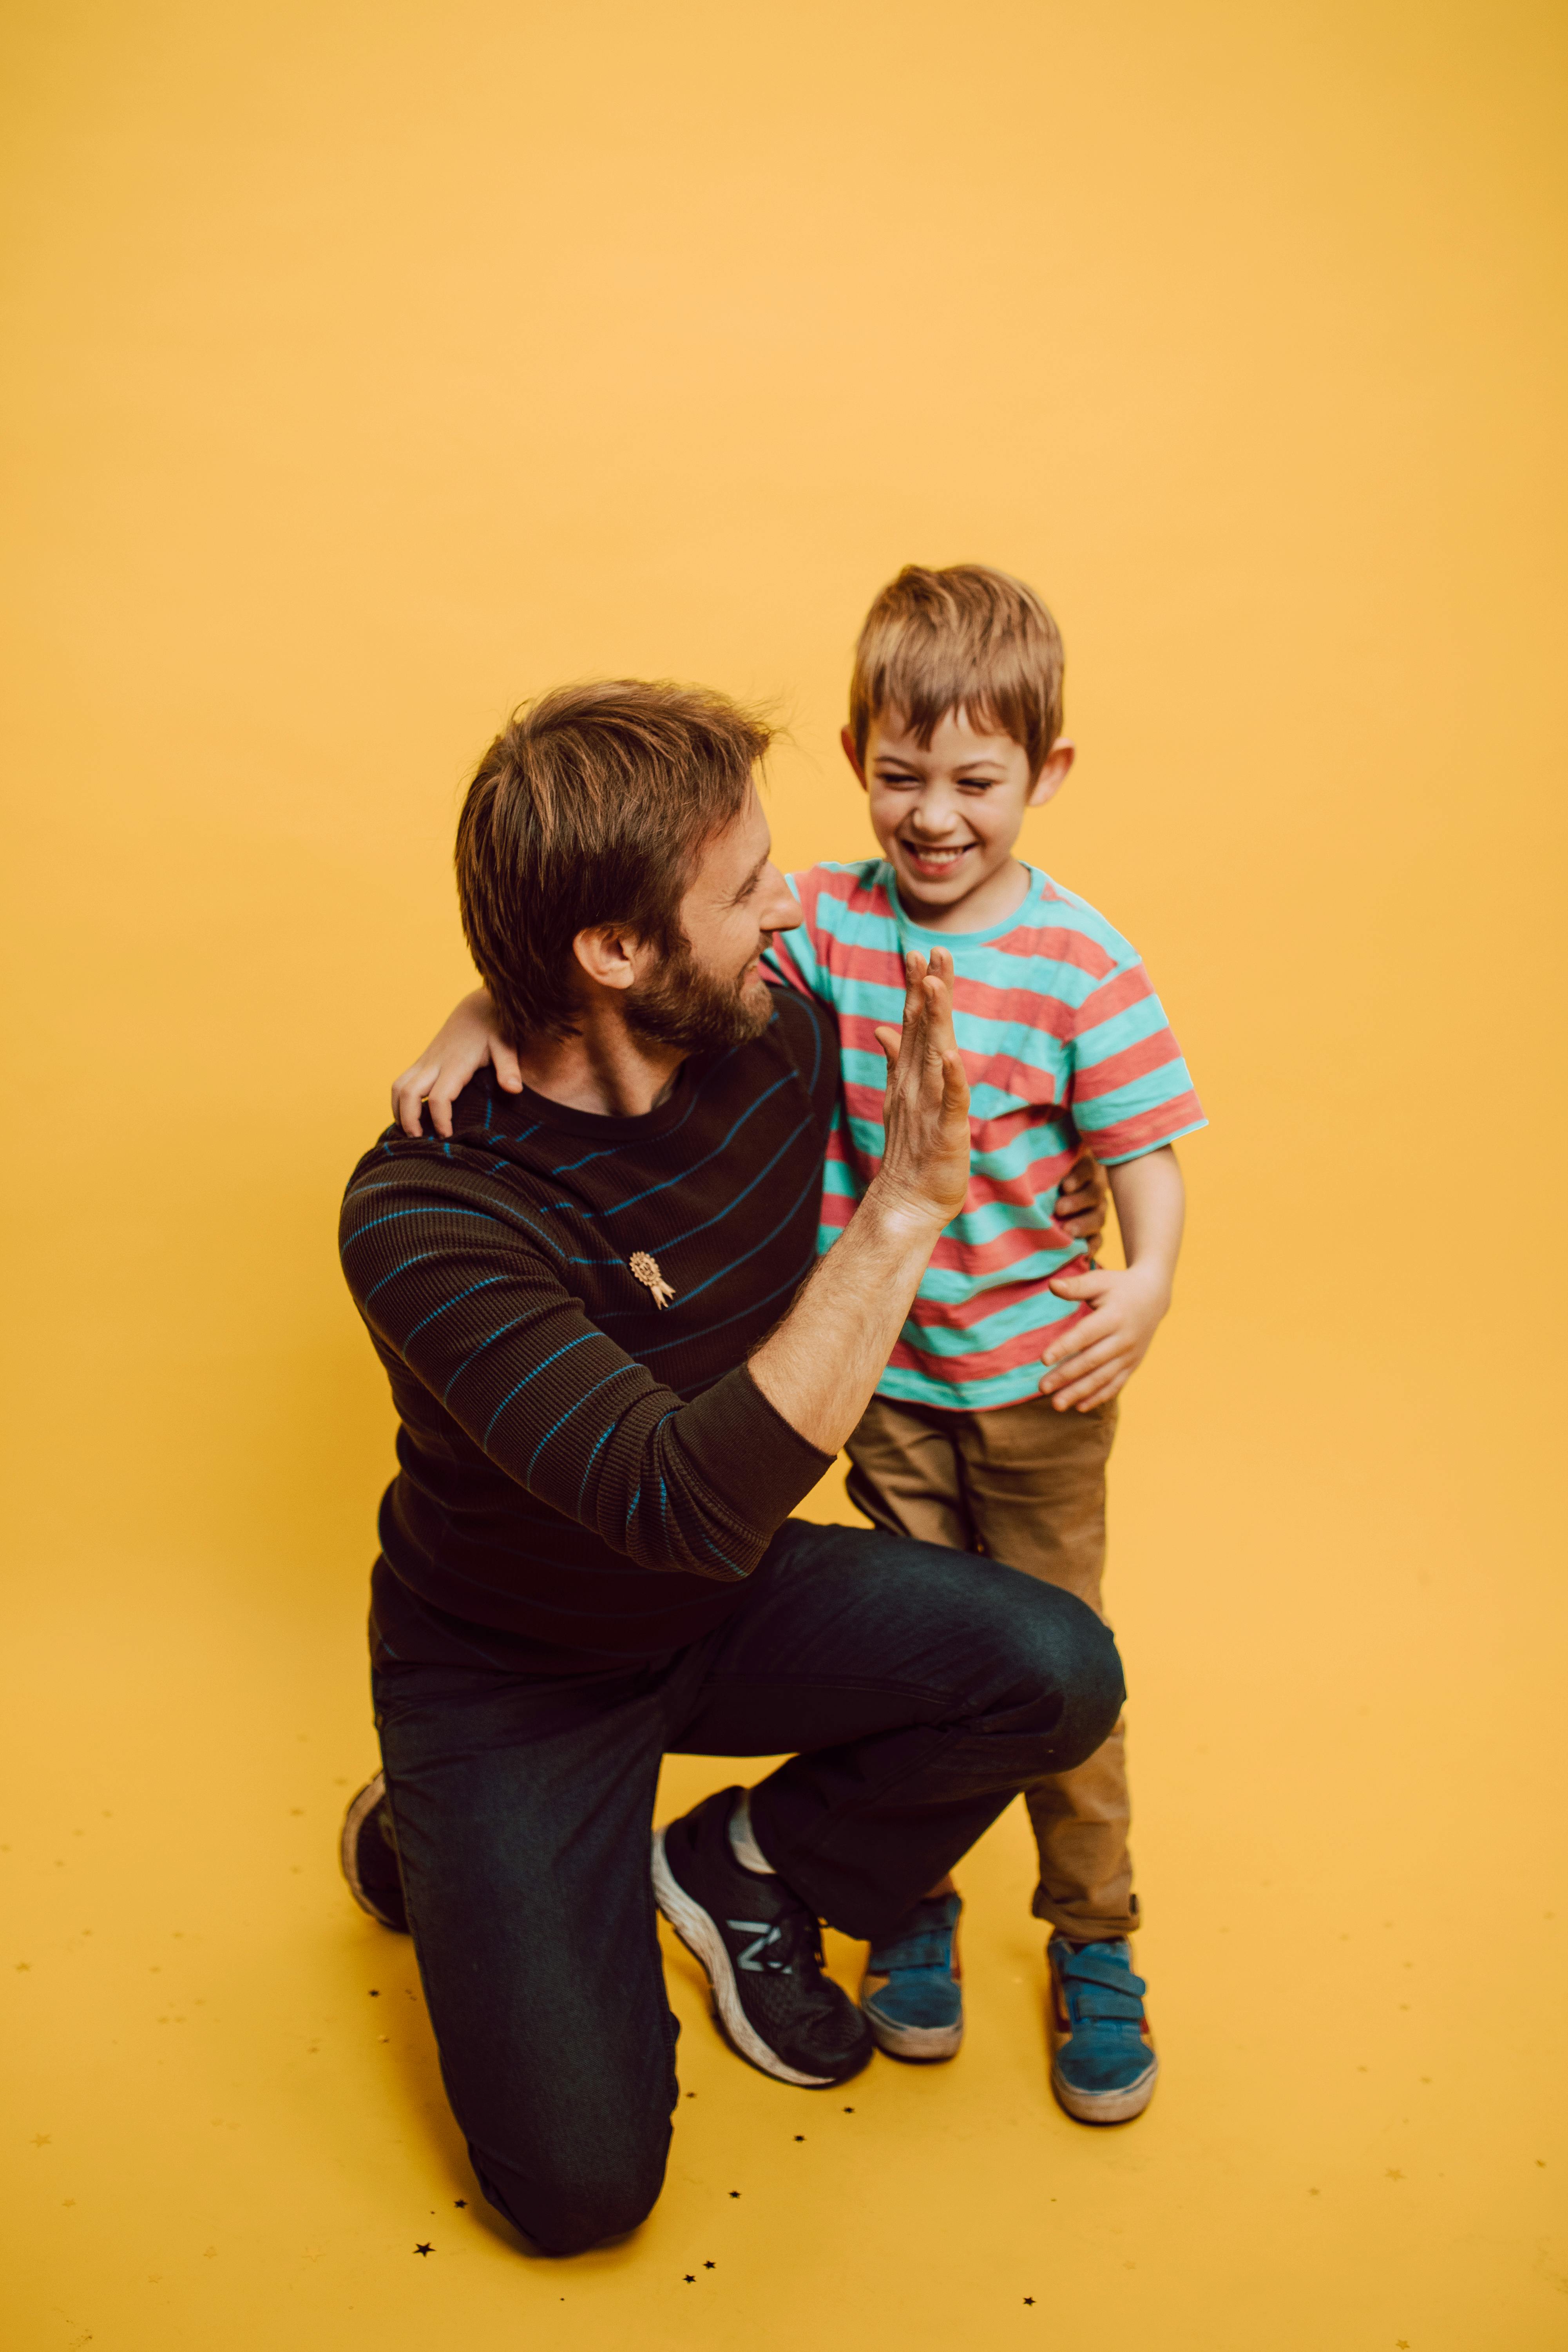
(1052,909)
(842,886)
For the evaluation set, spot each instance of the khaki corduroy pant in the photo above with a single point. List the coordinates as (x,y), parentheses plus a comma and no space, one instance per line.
(1025,1484)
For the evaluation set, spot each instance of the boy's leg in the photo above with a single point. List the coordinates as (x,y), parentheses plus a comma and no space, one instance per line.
(905,1473)
(1026,1485)
(1034,1481)
(522,1812)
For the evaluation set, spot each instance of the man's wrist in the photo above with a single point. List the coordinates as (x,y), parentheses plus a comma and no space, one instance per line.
(899,1214)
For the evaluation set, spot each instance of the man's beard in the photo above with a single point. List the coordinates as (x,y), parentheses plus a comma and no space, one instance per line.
(687,1006)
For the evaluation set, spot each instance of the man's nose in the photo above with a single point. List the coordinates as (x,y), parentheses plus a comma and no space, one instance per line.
(780,912)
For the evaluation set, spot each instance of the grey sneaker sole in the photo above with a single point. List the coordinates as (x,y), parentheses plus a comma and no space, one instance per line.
(703,1941)
(1107,2107)
(354,1820)
(924,2044)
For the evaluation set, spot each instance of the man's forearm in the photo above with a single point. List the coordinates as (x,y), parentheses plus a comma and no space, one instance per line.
(820,1368)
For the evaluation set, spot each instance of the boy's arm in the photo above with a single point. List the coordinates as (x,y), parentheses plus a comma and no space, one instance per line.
(1095,1357)
(465,1041)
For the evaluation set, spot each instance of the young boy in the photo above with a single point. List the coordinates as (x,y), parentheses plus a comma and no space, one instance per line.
(954,732)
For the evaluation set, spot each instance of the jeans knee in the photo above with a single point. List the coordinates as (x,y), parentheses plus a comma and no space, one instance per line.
(572,2207)
(1074,1672)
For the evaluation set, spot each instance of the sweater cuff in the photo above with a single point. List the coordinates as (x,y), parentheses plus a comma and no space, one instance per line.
(744,1449)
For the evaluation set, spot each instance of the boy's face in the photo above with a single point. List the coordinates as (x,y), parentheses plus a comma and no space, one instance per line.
(947,815)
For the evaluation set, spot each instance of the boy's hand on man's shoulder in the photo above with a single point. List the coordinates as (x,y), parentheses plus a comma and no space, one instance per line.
(1096,1357)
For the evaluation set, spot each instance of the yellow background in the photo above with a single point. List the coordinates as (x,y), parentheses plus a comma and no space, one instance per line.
(372,367)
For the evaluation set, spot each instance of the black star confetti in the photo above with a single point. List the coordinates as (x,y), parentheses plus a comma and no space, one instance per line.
(709,2266)
(459,2203)
(1028,2298)
(689,2280)
(799,2136)
(734,2192)
(423,2249)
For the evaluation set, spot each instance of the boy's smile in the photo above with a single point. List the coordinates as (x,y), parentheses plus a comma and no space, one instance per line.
(947,814)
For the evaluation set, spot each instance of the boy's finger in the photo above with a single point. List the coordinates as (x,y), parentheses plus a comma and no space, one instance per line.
(405,1104)
(1104,1350)
(1089,1393)
(890,1041)
(508,1069)
(1092,1285)
(1088,1332)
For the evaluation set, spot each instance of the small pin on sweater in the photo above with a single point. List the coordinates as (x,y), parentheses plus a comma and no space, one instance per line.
(647,1271)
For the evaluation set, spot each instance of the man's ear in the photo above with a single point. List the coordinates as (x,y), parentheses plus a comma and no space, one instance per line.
(852,755)
(608,955)
(1054,774)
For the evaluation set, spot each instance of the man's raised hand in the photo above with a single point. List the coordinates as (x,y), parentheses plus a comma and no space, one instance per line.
(925,1111)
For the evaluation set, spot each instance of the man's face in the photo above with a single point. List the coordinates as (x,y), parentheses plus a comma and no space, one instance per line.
(710,993)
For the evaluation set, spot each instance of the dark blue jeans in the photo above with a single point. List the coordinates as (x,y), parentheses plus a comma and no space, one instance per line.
(920,1688)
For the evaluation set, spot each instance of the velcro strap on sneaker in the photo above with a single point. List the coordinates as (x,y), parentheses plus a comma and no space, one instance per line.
(1094,2005)
(1086,1966)
(927,1950)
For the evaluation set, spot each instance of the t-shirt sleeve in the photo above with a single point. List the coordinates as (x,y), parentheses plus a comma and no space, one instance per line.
(792,956)
(1131,1091)
(457,1284)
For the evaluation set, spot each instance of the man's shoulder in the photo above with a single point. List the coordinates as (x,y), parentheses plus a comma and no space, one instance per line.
(802,1030)
(468,1169)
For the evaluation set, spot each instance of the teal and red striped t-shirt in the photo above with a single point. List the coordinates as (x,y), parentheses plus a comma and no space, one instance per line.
(1062,1037)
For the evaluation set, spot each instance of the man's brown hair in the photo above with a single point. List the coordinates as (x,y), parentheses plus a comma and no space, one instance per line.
(589,808)
(963,638)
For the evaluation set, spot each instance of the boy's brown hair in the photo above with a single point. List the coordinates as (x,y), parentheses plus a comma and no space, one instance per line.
(588,808)
(963,639)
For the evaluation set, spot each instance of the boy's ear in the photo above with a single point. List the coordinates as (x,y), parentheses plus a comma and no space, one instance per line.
(1054,774)
(852,755)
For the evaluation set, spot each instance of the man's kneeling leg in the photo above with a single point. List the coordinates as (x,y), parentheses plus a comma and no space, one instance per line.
(524,1857)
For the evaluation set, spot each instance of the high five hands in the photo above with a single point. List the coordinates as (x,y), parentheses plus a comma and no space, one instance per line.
(925,1111)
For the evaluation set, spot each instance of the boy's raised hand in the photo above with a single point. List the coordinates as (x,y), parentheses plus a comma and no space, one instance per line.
(465,1041)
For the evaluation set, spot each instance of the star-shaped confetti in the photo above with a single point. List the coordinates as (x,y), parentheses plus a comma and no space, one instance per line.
(40,2139)
(690,2280)
(423,2249)
(1391,2175)
(459,2203)
(709,2266)
(1028,2298)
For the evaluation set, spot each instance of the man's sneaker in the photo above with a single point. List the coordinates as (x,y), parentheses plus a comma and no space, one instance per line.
(369,1856)
(912,1994)
(1103,2065)
(762,1951)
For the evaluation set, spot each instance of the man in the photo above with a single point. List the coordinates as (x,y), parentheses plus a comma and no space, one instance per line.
(614,1382)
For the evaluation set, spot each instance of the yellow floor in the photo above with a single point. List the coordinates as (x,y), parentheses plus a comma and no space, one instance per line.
(372,367)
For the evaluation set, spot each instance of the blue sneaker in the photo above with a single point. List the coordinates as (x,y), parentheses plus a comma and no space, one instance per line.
(1103,2066)
(911,1995)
